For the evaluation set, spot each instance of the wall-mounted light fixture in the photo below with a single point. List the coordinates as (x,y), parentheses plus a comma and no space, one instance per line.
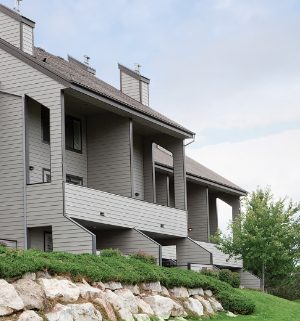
(190,229)
(102,214)
(162,225)
(31,168)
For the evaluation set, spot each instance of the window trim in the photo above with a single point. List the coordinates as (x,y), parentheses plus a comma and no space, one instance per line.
(74,177)
(42,127)
(79,151)
(44,171)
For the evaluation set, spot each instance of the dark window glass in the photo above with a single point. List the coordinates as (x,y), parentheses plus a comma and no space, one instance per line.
(46,175)
(73,134)
(45,120)
(76,180)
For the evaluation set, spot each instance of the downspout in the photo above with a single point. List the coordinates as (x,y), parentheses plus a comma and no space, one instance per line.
(24,106)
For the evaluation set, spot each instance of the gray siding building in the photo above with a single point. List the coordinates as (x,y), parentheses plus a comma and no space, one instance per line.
(86,166)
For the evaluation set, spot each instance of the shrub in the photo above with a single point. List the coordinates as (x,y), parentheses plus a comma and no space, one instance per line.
(225,275)
(236,280)
(144,257)
(214,274)
(112,266)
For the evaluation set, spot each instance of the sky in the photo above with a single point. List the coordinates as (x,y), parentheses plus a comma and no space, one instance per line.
(227,69)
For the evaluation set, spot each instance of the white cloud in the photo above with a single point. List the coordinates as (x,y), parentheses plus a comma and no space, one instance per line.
(269,161)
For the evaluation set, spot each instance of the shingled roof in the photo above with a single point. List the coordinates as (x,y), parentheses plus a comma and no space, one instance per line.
(195,169)
(79,76)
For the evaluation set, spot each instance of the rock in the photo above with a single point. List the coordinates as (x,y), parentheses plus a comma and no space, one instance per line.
(197,291)
(115,300)
(178,310)
(163,307)
(179,292)
(29,276)
(9,299)
(88,292)
(194,306)
(231,315)
(74,312)
(29,316)
(144,307)
(113,285)
(106,308)
(43,275)
(141,317)
(153,287)
(129,300)
(208,293)
(125,315)
(206,304)
(180,319)
(133,288)
(164,291)
(31,293)
(216,305)
(99,285)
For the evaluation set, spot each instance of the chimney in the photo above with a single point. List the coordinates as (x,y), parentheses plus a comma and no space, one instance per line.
(82,65)
(134,84)
(16,29)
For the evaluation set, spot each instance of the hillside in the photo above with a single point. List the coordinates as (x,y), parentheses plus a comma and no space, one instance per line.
(268,308)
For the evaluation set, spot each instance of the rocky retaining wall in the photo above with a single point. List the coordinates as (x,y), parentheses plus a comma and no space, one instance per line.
(39,297)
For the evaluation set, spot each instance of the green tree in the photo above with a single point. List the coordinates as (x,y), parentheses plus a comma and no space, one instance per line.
(266,235)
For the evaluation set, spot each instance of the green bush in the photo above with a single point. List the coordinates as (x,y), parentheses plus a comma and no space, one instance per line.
(112,266)
(110,252)
(236,280)
(225,275)
(144,257)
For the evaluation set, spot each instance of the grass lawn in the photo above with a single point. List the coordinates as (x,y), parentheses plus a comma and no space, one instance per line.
(268,307)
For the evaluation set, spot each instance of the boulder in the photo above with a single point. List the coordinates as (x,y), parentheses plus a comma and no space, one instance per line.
(163,307)
(98,285)
(216,305)
(194,307)
(125,315)
(106,308)
(196,291)
(164,291)
(29,316)
(144,307)
(74,312)
(206,304)
(43,275)
(141,317)
(179,292)
(133,288)
(231,315)
(29,276)
(9,299)
(113,285)
(31,293)
(208,293)
(129,300)
(64,290)
(115,300)
(88,292)
(153,287)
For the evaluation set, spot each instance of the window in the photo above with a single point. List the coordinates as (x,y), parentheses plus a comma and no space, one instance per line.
(76,180)
(45,121)
(73,134)
(46,175)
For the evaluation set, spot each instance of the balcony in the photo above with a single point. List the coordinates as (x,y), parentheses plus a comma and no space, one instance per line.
(90,206)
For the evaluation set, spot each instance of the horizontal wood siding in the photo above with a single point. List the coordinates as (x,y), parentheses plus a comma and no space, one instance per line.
(249,280)
(109,163)
(188,251)
(44,201)
(76,163)
(10,29)
(87,204)
(169,252)
(27,40)
(38,151)
(127,241)
(213,215)
(11,168)
(145,93)
(138,167)
(198,213)
(130,86)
